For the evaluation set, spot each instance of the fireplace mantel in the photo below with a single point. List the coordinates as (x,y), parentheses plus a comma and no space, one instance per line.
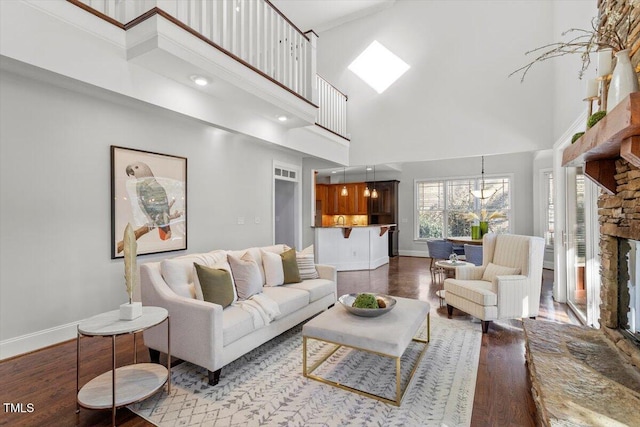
(616,136)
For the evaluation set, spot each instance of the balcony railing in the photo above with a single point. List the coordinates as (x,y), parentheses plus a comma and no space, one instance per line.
(253,31)
(332,111)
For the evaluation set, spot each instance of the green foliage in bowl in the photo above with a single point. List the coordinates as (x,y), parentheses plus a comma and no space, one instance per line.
(576,136)
(365,301)
(595,118)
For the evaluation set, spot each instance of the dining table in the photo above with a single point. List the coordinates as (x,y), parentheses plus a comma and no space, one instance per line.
(462,240)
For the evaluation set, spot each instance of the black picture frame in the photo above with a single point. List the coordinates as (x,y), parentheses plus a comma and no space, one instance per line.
(148,190)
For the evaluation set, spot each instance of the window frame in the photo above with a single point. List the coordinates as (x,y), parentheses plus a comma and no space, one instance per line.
(444,182)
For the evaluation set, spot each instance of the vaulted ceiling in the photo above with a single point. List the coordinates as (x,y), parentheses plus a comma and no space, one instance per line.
(457,99)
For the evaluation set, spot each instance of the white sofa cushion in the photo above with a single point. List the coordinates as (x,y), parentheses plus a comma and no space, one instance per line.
(256,253)
(273,271)
(288,299)
(494,270)
(236,323)
(317,288)
(477,291)
(179,272)
(246,275)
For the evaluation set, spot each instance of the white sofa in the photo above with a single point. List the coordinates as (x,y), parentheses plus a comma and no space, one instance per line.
(207,335)
(506,286)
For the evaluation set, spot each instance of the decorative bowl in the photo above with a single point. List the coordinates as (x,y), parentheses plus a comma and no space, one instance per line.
(348,299)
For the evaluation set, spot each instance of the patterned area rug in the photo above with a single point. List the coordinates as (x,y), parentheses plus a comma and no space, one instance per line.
(266,387)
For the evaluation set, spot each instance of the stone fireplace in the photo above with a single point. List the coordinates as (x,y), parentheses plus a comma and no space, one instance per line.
(619,216)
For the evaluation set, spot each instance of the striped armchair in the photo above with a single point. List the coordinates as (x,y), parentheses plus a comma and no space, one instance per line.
(507,284)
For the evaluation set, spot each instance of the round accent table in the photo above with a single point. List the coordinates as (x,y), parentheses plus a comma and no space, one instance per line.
(126,384)
(443,270)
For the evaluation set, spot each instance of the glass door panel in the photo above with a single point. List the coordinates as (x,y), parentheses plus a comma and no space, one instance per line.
(576,242)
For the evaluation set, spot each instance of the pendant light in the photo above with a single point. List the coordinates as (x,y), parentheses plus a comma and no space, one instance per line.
(367,193)
(483,193)
(344,191)
(374,192)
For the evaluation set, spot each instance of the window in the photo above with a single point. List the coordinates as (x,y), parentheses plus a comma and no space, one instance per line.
(442,205)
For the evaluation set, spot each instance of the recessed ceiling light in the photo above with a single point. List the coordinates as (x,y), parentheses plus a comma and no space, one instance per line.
(334,171)
(199,80)
(282,118)
(369,168)
(378,67)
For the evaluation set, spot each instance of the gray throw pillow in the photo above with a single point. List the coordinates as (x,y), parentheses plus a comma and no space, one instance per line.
(216,284)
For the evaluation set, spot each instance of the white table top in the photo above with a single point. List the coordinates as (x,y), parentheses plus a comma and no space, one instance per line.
(133,383)
(109,323)
(449,264)
(389,334)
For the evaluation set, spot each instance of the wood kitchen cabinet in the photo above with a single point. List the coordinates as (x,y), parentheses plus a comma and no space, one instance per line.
(333,203)
(322,195)
(384,210)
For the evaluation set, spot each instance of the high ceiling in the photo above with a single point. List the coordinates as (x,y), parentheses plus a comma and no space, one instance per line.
(321,15)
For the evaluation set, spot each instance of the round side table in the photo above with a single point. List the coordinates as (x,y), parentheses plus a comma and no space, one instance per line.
(443,270)
(126,384)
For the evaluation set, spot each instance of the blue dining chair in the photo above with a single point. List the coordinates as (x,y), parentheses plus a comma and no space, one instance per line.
(473,254)
(438,250)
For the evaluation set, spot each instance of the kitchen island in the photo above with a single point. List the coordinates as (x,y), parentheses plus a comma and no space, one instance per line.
(353,247)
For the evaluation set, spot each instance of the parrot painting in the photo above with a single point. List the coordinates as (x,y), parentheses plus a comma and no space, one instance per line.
(152,198)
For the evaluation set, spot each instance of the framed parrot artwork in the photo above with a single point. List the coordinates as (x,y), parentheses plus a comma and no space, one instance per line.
(148,190)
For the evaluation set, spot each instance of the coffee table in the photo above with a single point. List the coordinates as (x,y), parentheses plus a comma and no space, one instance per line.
(387,335)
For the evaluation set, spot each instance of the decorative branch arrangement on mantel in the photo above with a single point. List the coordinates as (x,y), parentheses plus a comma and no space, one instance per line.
(616,135)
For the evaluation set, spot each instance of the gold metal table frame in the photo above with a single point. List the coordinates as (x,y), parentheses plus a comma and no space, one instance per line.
(308,372)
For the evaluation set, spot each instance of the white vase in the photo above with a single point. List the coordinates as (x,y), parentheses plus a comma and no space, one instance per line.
(623,81)
(130,311)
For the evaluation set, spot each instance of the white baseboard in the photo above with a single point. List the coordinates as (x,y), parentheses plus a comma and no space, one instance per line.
(421,254)
(37,340)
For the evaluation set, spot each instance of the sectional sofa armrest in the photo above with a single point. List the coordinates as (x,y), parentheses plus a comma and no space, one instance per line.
(513,296)
(196,326)
(469,273)
(328,272)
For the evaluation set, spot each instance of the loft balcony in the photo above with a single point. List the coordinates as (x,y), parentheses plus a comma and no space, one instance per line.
(254,56)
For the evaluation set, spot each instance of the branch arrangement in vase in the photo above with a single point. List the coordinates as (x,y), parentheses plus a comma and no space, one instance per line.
(611,30)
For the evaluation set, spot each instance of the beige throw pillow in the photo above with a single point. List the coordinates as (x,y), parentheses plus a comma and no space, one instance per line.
(306,264)
(273,272)
(494,270)
(216,285)
(290,266)
(246,275)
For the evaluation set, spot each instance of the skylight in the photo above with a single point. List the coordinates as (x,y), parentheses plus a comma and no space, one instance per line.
(378,67)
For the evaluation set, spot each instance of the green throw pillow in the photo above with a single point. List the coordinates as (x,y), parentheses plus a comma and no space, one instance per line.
(290,266)
(216,285)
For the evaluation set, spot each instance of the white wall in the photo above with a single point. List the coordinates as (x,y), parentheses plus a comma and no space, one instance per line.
(55,266)
(520,165)
(568,89)
(457,99)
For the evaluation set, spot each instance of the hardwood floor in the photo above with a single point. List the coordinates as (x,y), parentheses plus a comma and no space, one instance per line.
(47,378)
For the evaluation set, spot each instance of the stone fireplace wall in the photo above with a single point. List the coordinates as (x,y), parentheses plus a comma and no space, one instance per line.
(619,217)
